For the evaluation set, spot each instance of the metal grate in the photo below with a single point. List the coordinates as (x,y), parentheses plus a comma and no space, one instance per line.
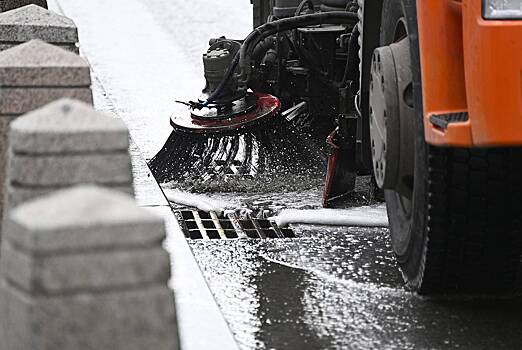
(206,226)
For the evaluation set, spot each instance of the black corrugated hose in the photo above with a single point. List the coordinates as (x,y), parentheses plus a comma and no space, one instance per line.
(243,59)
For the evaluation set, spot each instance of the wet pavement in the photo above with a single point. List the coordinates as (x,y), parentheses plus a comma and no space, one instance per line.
(329,288)
(342,292)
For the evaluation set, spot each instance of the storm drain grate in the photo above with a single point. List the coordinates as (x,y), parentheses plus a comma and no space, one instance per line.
(203,225)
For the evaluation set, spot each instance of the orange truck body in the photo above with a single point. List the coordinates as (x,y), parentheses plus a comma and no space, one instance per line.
(474,66)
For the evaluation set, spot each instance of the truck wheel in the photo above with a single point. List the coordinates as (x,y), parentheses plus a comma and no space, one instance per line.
(455,214)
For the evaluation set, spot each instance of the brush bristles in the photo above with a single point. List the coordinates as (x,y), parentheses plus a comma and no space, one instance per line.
(272,149)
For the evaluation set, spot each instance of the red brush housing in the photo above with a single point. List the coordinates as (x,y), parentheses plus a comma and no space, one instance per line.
(255,108)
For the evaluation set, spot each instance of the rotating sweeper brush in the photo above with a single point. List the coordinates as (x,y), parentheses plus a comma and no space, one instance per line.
(238,128)
(230,133)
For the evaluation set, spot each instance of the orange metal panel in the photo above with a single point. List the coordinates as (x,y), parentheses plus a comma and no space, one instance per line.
(470,64)
(493,65)
(442,69)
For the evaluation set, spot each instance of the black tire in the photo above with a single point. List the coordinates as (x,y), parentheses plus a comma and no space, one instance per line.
(461,230)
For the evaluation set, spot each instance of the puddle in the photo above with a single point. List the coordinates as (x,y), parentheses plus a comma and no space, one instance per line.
(342,292)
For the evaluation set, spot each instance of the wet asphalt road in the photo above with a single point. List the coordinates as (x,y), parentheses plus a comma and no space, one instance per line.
(330,288)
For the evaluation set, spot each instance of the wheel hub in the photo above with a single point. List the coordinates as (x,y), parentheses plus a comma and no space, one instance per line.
(253,109)
(392,117)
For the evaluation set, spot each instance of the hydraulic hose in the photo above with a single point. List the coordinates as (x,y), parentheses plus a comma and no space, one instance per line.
(337,17)
(301,6)
(263,47)
(244,57)
(353,56)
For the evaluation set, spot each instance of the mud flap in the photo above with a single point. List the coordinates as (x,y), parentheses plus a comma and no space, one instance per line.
(341,174)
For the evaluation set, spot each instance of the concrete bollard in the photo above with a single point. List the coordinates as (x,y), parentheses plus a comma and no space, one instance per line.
(32,75)
(63,144)
(7,5)
(34,22)
(84,268)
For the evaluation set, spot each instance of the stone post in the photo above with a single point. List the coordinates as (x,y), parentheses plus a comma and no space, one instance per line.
(34,22)
(63,144)
(82,269)
(32,75)
(7,5)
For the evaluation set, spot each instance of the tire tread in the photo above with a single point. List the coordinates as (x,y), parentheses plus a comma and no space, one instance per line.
(474,233)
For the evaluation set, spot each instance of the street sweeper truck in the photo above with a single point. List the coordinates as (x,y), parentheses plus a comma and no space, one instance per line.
(424,95)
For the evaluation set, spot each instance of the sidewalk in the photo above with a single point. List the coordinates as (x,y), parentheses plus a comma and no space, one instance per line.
(201,324)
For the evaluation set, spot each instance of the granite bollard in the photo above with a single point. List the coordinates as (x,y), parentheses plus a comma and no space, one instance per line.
(7,5)
(34,22)
(84,268)
(32,75)
(63,144)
